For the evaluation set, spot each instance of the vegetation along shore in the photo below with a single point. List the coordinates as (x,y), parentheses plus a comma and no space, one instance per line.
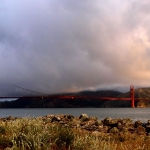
(66,132)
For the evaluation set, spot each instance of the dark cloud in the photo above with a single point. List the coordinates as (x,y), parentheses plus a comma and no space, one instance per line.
(59,46)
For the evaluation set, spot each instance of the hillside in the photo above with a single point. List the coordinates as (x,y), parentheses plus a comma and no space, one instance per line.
(143,93)
(40,102)
(62,103)
(140,93)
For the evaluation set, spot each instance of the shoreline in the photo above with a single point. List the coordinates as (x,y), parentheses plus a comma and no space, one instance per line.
(83,121)
(66,132)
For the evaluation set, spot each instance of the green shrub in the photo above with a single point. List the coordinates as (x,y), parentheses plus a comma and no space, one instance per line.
(64,137)
(2,130)
(5,142)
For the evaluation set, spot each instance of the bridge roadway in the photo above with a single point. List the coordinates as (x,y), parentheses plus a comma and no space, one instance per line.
(74,97)
(71,97)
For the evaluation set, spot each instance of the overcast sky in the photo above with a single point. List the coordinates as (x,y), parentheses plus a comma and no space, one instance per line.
(54,46)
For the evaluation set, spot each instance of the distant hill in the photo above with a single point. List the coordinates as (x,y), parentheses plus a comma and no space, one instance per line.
(80,102)
(102,93)
(62,103)
(143,93)
(139,93)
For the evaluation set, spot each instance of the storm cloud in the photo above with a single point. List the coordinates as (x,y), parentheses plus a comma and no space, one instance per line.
(54,46)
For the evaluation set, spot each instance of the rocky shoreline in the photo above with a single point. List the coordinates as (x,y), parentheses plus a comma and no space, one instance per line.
(107,125)
(92,124)
(67,132)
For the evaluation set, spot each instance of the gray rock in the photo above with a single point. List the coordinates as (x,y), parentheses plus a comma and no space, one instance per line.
(148,122)
(138,123)
(56,118)
(126,121)
(110,122)
(147,128)
(140,130)
(114,130)
(84,117)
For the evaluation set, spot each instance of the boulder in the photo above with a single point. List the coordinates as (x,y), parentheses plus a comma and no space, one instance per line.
(84,117)
(138,123)
(126,121)
(110,122)
(69,117)
(148,122)
(114,130)
(147,128)
(140,130)
(56,118)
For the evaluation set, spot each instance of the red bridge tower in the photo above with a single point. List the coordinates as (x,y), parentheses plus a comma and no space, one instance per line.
(132,96)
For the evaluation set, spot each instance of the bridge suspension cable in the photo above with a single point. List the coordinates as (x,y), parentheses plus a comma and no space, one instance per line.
(35,92)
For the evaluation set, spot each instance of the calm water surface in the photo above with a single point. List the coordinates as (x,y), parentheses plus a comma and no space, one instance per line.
(133,113)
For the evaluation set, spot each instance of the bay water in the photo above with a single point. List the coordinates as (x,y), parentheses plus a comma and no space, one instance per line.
(142,114)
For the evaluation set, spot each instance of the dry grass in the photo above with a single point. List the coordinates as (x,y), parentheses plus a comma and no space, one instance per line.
(34,134)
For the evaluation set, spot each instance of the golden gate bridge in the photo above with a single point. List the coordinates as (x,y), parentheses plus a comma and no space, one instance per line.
(74,97)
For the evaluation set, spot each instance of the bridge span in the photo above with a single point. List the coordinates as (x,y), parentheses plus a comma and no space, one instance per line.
(74,97)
